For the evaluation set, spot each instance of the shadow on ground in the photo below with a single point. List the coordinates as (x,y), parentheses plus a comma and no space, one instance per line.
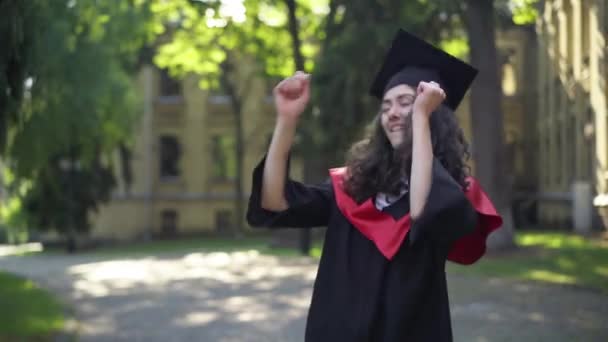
(245,296)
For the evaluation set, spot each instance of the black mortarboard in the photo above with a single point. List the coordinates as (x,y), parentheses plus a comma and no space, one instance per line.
(411,60)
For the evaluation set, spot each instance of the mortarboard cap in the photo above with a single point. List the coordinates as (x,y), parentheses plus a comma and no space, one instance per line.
(411,60)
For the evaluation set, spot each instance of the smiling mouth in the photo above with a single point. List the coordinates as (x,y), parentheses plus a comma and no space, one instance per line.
(396,128)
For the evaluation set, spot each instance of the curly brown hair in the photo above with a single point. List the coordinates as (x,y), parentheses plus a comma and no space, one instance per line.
(373,165)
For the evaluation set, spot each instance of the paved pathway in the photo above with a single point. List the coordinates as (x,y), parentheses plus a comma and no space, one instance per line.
(244,296)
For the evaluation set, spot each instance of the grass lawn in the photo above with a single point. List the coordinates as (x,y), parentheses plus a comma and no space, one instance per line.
(27,312)
(187,245)
(549,257)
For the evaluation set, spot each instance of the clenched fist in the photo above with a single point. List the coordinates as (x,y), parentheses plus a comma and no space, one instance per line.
(429,96)
(291,96)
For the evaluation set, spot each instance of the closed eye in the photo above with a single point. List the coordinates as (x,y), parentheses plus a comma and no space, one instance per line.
(406,99)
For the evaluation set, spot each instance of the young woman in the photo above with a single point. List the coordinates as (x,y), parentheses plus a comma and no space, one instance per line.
(401,207)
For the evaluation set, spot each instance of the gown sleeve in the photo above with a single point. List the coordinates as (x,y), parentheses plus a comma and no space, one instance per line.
(447,215)
(472,247)
(309,205)
(461,220)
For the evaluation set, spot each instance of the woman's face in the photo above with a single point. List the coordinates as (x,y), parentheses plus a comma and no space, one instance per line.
(396,107)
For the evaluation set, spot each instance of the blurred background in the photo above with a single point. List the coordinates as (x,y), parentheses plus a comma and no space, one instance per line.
(133,127)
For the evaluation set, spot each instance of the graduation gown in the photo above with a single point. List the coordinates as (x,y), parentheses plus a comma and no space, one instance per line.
(381,276)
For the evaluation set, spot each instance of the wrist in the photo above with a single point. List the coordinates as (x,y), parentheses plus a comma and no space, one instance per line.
(420,116)
(283,135)
(286,123)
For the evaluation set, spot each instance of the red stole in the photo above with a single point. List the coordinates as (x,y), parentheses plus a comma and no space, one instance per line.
(388,234)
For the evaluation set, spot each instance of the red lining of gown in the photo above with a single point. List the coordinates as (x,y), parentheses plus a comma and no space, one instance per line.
(388,234)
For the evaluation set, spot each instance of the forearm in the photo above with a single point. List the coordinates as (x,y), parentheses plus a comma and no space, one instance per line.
(422,164)
(275,167)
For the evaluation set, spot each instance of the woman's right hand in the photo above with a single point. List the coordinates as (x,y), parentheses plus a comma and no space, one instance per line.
(291,96)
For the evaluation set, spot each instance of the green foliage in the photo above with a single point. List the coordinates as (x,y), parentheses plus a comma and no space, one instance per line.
(67,85)
(74,192)
(12,215)
(77,90)
(524,11)
(28,312)
(456,46)
(202,34)
(14,58)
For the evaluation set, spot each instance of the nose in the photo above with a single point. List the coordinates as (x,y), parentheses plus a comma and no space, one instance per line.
(393,113)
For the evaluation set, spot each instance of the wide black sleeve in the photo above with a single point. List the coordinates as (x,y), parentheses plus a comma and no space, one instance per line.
(448,214)
(309,205)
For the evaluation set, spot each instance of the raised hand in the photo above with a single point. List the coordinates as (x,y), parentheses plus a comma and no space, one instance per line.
(429,96)
(291,96)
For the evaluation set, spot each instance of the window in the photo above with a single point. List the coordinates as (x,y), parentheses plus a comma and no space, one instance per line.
(168,85)
(559,154)
(168,227)
(169,157)
(546,155)
(591,161)
(508,72)
(224,158)
(509,79)
(571,145)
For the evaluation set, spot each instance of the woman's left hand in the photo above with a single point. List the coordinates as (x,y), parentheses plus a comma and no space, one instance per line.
(429,96)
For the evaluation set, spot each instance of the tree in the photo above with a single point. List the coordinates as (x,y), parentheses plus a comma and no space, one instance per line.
(67,94)
(63,195)
(13,60)
(487,116)
(210,39)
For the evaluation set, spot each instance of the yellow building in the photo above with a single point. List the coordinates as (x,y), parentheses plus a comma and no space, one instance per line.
(572,101)
(517,47)
(183,163)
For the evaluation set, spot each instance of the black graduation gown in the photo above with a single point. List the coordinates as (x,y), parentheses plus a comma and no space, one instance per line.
(360,294)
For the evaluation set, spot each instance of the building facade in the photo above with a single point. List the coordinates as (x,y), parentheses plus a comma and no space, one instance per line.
(182,162)
(572,100)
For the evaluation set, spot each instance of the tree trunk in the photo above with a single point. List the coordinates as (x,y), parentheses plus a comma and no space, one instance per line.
(235,102)
(295,36)
(302,235)
(487,117)
(238,181)
(126,166)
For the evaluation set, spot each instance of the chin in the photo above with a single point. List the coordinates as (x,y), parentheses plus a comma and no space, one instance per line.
(396,143)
